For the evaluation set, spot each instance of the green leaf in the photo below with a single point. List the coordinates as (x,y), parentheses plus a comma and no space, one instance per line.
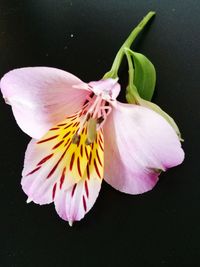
(144,75)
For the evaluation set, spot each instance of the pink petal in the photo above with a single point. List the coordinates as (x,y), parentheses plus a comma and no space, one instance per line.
(74,203)
(57,169)
(108,89)
(36,182)
(138,144)
(41,96)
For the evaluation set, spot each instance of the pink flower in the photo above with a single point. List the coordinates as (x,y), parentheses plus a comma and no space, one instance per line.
(82,135)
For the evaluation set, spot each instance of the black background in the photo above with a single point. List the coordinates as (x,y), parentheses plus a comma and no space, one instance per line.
(159,228)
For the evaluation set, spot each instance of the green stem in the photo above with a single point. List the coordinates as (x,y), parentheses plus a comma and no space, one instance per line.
(113,73)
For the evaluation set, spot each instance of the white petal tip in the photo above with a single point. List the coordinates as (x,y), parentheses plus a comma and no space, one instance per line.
(28,200)
(7,101)
(70,223)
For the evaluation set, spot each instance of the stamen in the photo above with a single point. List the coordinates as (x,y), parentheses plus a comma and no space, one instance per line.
(100,120)
(76,138)
(91,133)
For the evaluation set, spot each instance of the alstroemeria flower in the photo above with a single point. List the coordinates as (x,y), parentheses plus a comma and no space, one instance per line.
(83,135)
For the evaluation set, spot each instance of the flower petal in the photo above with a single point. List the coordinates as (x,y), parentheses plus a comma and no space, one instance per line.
(139,144)
(41,97)
(109,89)
(56,168)
(74,203)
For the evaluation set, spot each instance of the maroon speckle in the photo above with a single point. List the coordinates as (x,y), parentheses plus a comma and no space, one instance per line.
(62,178)
(54,168)
(86,189)
(73,190)
(90,159)
(54,191)
(47,139)
(68,125)
(36,169)
(72,161)
(69,145)
(98,158)
(84,204)
(88,172)
(86,152)
(76,124)
(81,150)
(66,134)
(67,142)
(73,118)
(58,144)
(79,167)
(62,124)
(100,138)
(101,146)
(53,129)
(45,159)
(96,168)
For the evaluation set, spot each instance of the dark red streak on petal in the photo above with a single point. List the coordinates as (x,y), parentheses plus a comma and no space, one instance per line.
(81,150)
(69,145)
(73,118)
(62,178)
(67,142)
(90,159)
(86,189)
(98,157)
(101,146)
(62,124)
(76,124)
(45,159)
(54,191)
(66,134)
(100,138)
(68,125)
(53,129)
(72,161)
(96,168)
(77,129)
(84,204)
(48,139)
(86,152)
(73,189)
(54,168)
(58,144)
(88,172)
(79,167)
(36,169)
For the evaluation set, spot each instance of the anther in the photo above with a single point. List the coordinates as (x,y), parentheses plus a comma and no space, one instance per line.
(100,120)
(91,133)
(76,138)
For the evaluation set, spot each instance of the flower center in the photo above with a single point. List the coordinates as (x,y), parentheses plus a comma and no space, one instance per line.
(93,116)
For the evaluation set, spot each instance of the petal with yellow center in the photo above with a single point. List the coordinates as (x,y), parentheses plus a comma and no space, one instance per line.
(62,167)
